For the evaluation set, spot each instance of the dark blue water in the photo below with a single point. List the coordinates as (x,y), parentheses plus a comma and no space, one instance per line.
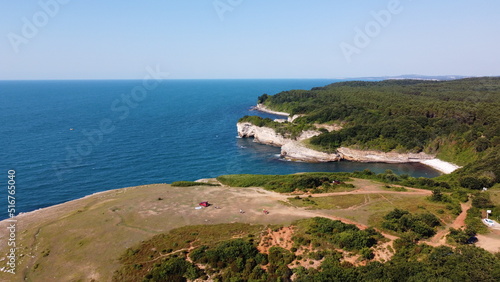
(180,130)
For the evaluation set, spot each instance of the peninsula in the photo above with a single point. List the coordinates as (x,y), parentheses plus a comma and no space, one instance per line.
(452,126)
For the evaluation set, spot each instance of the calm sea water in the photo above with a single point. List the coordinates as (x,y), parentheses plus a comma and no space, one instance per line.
(68,139)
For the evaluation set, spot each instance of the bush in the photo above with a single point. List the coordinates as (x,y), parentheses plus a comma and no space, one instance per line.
(458,236)
(471,183)
(345,236)
(173,269)
(367,253)
(403,221)
(482,201)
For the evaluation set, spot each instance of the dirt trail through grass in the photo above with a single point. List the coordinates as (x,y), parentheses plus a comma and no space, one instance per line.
(459,222)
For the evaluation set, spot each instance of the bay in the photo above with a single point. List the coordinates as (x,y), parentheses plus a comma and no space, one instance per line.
(69,139)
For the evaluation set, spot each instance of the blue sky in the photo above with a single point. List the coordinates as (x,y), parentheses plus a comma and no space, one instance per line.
(247,38)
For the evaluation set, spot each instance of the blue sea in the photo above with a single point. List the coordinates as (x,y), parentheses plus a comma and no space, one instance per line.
(69,139)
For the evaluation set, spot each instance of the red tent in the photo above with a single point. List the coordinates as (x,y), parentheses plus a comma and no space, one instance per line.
(204,204)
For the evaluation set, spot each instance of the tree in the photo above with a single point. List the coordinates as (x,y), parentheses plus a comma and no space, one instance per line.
(471,183)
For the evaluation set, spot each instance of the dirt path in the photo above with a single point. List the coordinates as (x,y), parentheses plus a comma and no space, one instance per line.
(369,187)
(459,222)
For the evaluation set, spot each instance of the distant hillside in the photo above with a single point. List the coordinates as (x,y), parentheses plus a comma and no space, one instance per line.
(459,120)
(415,76)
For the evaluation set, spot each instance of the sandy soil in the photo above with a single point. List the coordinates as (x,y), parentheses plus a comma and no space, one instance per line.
(459,222)
(440,165)
(489,242)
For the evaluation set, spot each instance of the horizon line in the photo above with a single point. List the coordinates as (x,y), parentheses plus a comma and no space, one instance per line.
(360,77)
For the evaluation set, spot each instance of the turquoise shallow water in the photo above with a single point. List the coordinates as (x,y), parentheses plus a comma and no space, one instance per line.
(180,130)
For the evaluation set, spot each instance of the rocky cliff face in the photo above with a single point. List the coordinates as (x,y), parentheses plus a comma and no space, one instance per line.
(296,151)
(290,149)
(269,136)
(264,135)
(378,156)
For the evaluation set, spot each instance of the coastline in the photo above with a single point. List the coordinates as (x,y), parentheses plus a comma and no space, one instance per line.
(54,208)
(294,150)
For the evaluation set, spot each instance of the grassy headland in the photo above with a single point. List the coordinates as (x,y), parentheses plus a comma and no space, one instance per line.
(154,232)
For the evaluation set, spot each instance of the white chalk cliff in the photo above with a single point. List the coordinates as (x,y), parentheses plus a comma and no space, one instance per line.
(296,151)
(290,149)
(383,157)
(269,136)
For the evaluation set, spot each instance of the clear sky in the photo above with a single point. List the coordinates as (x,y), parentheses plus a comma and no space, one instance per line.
(96,39)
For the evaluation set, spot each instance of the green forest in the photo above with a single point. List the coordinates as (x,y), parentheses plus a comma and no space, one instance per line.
(458,120)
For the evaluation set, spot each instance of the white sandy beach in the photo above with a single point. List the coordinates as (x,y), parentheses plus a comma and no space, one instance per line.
(444,167)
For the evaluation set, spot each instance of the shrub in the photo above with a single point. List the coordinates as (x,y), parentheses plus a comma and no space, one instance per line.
(403,221)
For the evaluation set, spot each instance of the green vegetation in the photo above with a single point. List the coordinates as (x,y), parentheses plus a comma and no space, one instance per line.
(460,236)
(458,120)
(413,263)
(452,203)
(423,225)
(191,183)
(473,221)
(306,182)
(173,269)
(481,201)
(164,253)
(323,232)
(230,259)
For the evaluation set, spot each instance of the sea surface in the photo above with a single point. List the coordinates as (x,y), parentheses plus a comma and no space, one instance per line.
(69,139)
